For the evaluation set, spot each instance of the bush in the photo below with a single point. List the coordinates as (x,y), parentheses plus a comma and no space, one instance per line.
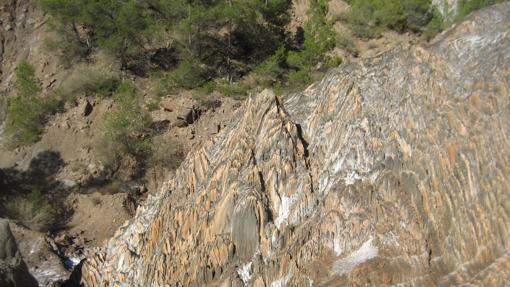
(347,44)
(117,26)
(32,210)
(168,154)
(368,18)
(25,113)
(299,79)
(190,74)
(319,39)
(466,7)
(435,26)
(125,126)
(238,89)
(68,46)
(153,104)
(268,72)
(26,83)
(89,81)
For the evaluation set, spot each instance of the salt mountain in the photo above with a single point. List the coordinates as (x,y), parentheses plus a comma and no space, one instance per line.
(393,171)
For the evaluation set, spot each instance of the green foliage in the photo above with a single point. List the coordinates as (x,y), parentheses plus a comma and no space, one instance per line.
(25,113)
(319,39)
(435,26)
(31,210)
(69,46)
(238,89)
(153,104)
(190,74)
(466,7)
(272,68)
(26,83)
(368,18)
(89,81)
(299,79)
(207,32)
(346,43)
(125,125)
(117,26)
(23,124)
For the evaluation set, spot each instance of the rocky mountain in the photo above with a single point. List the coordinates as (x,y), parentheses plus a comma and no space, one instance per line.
(392,171)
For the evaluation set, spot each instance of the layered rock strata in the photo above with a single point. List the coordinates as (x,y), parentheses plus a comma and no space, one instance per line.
(394,171)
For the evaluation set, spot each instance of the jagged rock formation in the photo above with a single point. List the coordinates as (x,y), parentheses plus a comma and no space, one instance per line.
(13,270)
(392,171)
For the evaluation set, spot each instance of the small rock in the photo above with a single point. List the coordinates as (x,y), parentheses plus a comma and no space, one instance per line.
(87,108)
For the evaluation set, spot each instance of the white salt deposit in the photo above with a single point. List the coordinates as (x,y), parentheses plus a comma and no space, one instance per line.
(366,252)
(244,272)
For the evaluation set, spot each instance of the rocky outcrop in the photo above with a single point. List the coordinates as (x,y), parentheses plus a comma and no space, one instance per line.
(13,270)
(40,255)
(393,171)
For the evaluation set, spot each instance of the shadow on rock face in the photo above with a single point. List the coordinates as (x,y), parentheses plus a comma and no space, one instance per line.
(39,174)
(13,270)
(38,179)
(45,164)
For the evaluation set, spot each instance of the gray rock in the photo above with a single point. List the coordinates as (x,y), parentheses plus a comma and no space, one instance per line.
(13,270)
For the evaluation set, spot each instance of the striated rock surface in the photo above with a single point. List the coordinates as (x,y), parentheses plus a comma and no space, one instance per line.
(394,171)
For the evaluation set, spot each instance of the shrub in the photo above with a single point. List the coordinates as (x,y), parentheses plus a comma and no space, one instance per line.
(368,18)
(168,154)
(334,62)
(25,113)
(319,39)
(466,7)
(435,26)
(268,72)
(68,46)
(90,81)
(125,126)
(238,89)
(207,88)
(153,104)
(190,74)
(32,210)
(299,79)
(26,83)
(346,43)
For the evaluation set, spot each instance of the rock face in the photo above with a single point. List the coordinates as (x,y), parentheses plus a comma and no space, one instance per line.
(392,171)
(44,265)
(13,270)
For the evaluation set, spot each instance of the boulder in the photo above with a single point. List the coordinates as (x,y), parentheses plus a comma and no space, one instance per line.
(13,270)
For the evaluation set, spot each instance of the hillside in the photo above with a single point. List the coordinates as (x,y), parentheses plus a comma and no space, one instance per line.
(391,171)
(263,143)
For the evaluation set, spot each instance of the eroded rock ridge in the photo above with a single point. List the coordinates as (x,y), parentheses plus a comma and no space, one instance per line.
(392,171)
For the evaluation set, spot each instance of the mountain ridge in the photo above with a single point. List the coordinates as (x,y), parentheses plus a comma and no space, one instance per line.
(390,171)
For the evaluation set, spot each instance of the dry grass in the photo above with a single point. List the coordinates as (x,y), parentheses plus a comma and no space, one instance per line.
(89,81)
(32,210)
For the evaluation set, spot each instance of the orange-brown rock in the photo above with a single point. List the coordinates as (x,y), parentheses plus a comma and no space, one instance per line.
(394,171)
